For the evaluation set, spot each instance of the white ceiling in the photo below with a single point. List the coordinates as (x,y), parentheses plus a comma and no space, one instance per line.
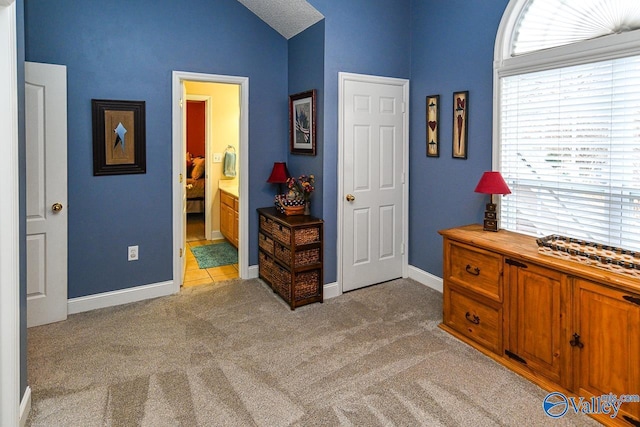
(288,17)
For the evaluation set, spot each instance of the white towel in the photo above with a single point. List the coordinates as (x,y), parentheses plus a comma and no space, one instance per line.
(229,164)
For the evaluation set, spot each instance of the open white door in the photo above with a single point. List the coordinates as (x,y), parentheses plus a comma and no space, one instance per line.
(373,179)
(46,154)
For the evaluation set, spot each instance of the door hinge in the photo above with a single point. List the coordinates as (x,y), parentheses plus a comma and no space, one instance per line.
(402,248)
(180,102)
(515,357)
(515,263)
(632,300)
(180,252)
(180,178)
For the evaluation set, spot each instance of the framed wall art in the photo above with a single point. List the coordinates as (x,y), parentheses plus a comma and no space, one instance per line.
(460,124)
(302,123)
(433,126)
(118,137)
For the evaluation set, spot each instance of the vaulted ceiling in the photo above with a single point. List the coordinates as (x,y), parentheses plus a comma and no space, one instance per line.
(288,17)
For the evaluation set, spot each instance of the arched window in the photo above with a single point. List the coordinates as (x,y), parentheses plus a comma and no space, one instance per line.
(567,118)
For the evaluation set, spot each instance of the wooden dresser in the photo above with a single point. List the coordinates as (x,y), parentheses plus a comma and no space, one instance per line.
(566,326)
(290,256)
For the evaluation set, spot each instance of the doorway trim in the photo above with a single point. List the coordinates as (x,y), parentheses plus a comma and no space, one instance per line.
(179,166)
(364,78)
(9,220)
(208,200)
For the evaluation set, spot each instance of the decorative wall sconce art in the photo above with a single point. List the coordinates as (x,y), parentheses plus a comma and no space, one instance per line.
(433,126)
(460,124)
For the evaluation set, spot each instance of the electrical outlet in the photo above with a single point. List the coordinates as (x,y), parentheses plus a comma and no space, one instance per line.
(217,158)
(133,253)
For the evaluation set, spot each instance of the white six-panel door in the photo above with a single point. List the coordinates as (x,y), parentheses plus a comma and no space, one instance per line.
(372,182)
(46,192)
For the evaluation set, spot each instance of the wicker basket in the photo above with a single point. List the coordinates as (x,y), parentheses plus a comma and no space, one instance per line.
(607,257)
(266,224)
(267,267)
(306,257)
(307,284)
(265,243)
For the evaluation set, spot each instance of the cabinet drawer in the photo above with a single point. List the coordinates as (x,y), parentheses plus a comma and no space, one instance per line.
(474,319)
(265,243)
(301,257)
(296,236)
(227,199)
(476,269)
(266,224)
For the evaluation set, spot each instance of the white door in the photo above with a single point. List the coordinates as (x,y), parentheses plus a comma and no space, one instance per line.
(374,137)
(46,192)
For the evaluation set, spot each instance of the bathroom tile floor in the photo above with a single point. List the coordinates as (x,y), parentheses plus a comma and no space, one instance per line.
(195,276)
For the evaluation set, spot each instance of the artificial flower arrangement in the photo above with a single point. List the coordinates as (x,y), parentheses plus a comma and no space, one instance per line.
(296,200)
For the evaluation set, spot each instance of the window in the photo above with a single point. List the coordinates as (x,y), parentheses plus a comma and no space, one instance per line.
(568,120)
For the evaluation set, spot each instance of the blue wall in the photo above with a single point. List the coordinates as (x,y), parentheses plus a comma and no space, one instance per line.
(127,50)
(366,37)
(306,72)
(451,50)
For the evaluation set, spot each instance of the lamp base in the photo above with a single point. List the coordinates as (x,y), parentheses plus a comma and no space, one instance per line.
(490,218)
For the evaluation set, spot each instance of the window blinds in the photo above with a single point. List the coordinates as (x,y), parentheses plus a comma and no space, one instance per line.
(570,152)
(546,24)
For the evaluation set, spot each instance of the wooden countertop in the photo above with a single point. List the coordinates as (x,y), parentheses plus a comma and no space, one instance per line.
(525,248)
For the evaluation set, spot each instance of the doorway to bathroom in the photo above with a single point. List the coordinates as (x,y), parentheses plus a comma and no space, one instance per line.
(210,144)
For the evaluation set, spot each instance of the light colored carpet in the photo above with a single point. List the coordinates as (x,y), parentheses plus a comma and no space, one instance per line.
(234,354)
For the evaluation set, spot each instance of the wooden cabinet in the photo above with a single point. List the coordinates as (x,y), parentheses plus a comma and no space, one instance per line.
(537,324)
(566,326)
(290,256)
(229,207)
(608,327)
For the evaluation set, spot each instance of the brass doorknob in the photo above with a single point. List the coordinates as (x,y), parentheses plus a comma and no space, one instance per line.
(57,207)
(350,198)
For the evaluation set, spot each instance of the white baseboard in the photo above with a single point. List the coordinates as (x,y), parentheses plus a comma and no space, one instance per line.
(427,279)
(331,290)
(123,296)
(25,406)
(253,272)
(216,235)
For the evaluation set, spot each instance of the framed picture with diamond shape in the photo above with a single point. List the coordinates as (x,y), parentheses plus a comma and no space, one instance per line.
(118,137)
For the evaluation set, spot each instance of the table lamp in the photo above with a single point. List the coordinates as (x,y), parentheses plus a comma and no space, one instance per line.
(279,175)
(491,183)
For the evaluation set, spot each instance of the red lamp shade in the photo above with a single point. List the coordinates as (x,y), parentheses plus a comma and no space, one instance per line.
(492,183)
(279,174)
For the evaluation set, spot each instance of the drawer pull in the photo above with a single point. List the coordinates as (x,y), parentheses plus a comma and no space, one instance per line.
(631,421)
(575,342)
(472,318)
(632,300)
(472,270)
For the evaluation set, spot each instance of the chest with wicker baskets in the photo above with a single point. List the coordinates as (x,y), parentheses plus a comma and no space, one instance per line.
(290,256)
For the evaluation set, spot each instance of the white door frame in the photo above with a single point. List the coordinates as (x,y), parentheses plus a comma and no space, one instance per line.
(179,77)
(342,79)
(208,200)
(9,220)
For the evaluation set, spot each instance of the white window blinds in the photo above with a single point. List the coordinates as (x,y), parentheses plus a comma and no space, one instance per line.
(570,152)
(546,24)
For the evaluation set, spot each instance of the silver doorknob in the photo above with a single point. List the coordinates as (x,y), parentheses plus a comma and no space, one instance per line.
(57,207)
(350,198)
